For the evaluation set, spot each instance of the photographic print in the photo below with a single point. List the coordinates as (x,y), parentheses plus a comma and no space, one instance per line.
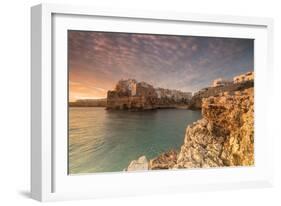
(139,102)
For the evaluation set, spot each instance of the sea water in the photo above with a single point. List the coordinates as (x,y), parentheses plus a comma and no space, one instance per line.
(103,140)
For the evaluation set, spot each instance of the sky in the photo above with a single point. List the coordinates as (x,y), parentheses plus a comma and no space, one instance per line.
(98,60)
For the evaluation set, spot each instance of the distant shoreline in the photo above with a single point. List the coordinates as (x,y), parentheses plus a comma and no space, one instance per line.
(157,107)
(170,107)
(89,103)
(84,106)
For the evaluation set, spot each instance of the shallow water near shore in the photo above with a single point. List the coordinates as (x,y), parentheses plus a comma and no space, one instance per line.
(107,141)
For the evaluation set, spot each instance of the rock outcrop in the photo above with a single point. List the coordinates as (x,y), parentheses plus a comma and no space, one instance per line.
(225,135)
(138,165)
(166,160)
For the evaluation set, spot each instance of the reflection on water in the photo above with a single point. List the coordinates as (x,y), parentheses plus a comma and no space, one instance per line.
(106,141)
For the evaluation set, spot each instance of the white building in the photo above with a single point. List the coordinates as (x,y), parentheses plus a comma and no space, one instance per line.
(220,82)
(244,77)
(127,86)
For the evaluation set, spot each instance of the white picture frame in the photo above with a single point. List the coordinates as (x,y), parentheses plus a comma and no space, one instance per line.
(49,179)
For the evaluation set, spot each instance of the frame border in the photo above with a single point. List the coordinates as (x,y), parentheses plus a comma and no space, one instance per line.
(42,70)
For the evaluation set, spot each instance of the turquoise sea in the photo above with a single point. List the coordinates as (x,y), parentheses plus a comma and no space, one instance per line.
(107,141)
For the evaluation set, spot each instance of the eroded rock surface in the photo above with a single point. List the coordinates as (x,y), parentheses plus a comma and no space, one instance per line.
(225,135)
(138,165)
(166,160)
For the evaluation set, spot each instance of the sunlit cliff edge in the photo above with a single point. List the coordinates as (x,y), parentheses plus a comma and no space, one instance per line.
(223,137)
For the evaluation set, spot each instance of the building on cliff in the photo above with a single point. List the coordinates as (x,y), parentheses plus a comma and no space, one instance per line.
(249,76)
(127,87)
(176,95)
(239,83)
(132,95)
(220,82)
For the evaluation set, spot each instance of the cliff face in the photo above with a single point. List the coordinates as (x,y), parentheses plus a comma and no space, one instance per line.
(225,135)
(132,95)
(166,160)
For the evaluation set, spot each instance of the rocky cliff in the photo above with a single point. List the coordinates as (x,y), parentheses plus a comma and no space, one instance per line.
(166,160)
(223,137)
(132,95)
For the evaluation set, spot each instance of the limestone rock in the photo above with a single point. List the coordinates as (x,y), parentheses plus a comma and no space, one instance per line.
(225,135)
(166,160)
(138,165)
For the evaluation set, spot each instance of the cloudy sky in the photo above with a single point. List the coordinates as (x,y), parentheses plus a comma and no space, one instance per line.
(97,60)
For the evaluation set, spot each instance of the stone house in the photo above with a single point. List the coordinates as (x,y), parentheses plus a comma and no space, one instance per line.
(244,77)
